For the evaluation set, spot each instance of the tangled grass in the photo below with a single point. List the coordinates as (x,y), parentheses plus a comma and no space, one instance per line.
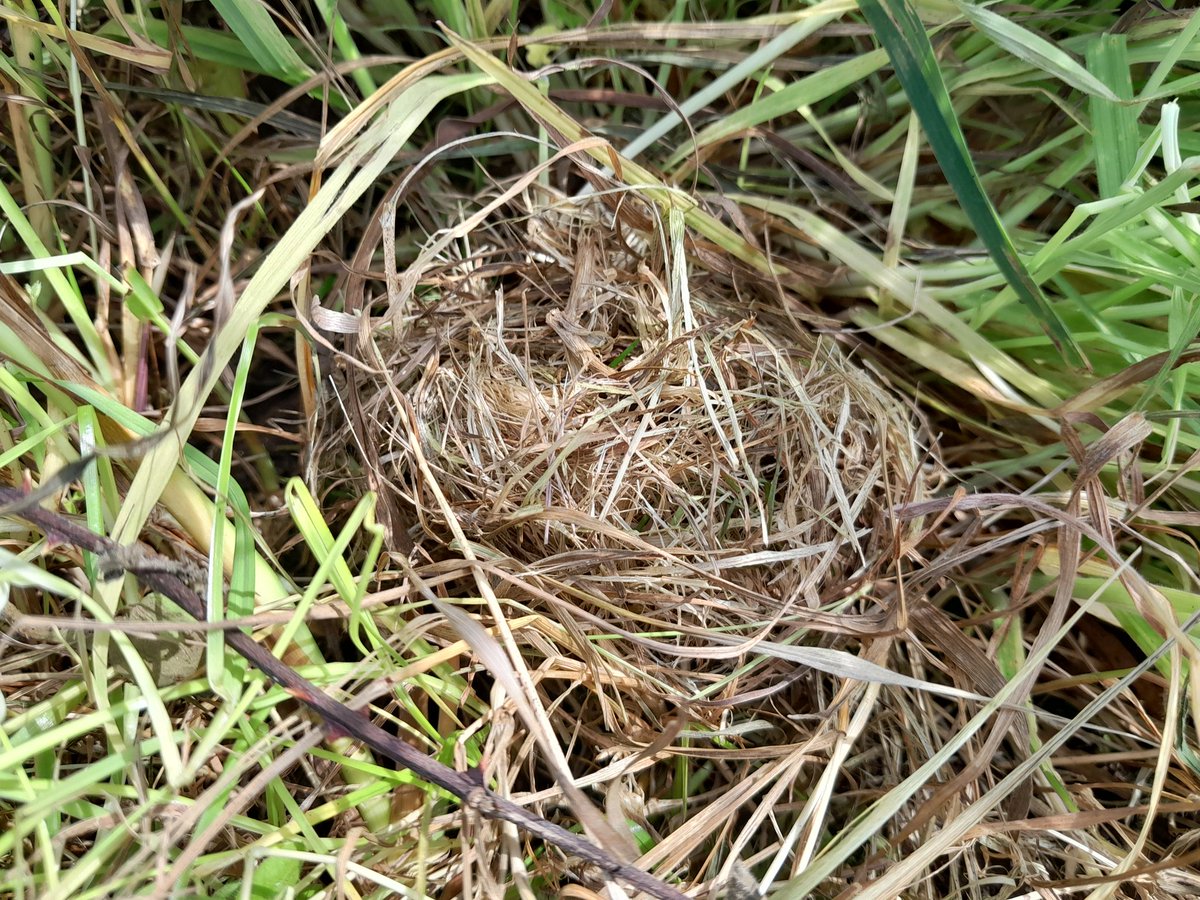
(598,418)
(665,563)
(653,467)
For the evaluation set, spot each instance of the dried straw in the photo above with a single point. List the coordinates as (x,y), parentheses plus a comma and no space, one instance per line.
(635,444)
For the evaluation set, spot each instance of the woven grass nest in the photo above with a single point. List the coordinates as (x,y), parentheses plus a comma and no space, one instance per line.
(644,451)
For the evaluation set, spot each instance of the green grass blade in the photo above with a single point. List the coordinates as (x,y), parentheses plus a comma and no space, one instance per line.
(807,91)
(225,670)
(259,34)
(64,288)
(812,19)
(903,36)
(17,570)
(1114,123)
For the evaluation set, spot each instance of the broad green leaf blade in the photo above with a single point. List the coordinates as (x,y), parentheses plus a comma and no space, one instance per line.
(213,46)
(1114,123)
(254,27)
(903,36)
(1034,49)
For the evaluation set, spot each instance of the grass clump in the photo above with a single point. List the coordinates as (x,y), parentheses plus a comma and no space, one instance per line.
(589,402)
(675,488)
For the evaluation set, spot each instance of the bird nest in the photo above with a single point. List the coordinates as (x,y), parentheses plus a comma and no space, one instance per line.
(645,451)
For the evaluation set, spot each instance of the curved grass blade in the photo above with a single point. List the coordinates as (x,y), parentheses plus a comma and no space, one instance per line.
(1034,49)
(901,33)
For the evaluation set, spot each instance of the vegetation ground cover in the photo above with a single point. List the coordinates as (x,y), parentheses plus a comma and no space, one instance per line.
(760,440)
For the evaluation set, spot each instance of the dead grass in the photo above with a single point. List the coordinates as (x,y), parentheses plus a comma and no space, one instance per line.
(600,420)
(654,470)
